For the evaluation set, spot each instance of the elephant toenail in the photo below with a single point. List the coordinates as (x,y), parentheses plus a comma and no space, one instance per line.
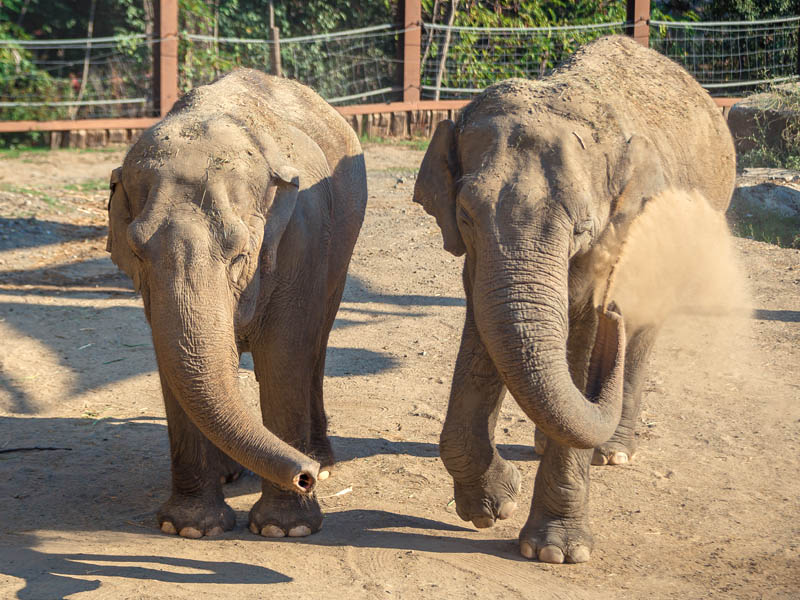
(506,510)
(599,459)
(482,522)
(526,549)
(254,528)
(215,531)
(551,554)
(168,527)
(618,458)
(272,531)
(579,555)
(191,532)
(300,531)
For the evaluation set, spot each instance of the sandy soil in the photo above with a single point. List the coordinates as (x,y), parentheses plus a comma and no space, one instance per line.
(709,508)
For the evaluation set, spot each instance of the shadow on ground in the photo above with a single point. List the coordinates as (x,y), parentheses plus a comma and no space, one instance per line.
(112,474)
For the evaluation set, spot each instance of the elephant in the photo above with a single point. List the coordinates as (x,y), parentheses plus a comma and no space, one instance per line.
(236,216)
(528,182)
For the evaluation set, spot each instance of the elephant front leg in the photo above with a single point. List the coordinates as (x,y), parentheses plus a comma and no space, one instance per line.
(485,485)
(558,528)
(286,367)
(621,447)
(197,505)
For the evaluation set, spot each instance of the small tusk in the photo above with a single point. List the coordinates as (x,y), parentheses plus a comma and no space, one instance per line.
(323,475)
(575,133)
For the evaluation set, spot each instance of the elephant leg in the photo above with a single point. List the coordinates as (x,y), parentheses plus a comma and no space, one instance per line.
(321,449)
(197,505)
(558,528)
(485,485)
(621,447)
(286,361)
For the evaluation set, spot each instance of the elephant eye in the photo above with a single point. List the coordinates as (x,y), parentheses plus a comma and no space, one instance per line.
(237,266)
(463,217)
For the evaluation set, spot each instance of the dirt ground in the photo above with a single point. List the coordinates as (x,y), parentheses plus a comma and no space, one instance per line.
(708,509)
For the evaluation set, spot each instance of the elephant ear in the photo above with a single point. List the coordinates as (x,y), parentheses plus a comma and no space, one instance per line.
(435,189)
(119,218)
(638,175)
(287,183)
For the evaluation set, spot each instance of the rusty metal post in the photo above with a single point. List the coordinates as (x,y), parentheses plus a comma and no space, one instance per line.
(412,49)
(165,56)
(639,21)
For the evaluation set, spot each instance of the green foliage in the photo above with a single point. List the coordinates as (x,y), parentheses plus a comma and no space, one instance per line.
(765,226)
(780,99)
(21,80)
(478,59)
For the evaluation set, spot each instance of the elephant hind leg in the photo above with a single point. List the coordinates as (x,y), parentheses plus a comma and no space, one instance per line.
(230,470)
(621,447)
(196,507)
(320,446)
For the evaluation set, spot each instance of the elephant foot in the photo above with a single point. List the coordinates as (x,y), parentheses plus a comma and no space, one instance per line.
(281,513)
(614,452)
(195,517)
(491,497)
(556,540)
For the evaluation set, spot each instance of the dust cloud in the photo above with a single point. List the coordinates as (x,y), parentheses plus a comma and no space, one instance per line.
(675,257)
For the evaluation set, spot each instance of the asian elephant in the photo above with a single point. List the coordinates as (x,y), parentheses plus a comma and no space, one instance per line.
(236,216)
(526,183)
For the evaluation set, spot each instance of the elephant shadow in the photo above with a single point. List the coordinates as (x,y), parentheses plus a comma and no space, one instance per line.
(50,575)
(90,476)
(97,475)
(351,448)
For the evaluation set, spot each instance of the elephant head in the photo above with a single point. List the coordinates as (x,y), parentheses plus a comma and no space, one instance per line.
(195,218)
(526,193)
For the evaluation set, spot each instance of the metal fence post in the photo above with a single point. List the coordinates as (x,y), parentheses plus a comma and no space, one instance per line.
(638,21)
(412,46)
(165,56)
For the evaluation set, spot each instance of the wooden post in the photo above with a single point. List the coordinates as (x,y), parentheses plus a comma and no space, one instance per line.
(412,49)
(275,47)
(638,21)
(165,56)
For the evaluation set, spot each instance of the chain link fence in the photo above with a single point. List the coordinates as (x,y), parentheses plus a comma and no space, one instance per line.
(113,77)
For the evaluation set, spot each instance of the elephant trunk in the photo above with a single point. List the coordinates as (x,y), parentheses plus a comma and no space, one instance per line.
(196,352)
(521,310)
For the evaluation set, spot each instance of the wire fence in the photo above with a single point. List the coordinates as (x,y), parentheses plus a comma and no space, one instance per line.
(347,67)
(732,58)
(78,78)
(460,61)
(113,77)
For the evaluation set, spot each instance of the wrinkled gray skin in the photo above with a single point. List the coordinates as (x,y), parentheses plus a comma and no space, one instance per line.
(525,183)
(236,217)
